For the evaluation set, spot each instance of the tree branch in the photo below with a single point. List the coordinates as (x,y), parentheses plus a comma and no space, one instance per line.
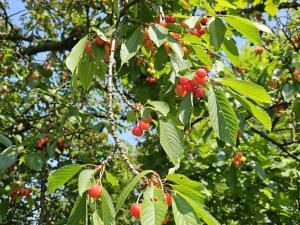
(279,145)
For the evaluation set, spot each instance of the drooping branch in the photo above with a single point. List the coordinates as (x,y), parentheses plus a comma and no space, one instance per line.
(279,145)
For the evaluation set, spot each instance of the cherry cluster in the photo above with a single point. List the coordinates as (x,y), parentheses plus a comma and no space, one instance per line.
(22,192)
(135,208)
(200,28)
(88,49)
(238,159)
(40,144)
(185,85)
(144,124)
(61,143)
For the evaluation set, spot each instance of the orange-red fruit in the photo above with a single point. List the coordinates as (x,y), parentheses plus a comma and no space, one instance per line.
(88,48)
(144,125)
(183,81)
(175,35)
(139,61)
(135,210)
(188,87)
(170,19)
(137,131)
(95,191)
(39,144)
(60,142)
(198,92)
(99,41)
(204,20)
(1,57)
(167,48)
(194,32)
(163,23)
(203,80)
(165,221)
(259,50)
(201,31)
(180,91)
(201,73)
(168,198)
(195,81)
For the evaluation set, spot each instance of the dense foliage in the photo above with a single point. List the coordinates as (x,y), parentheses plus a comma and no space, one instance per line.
(150,112)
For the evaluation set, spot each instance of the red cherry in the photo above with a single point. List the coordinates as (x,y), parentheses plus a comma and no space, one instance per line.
(184,24)
(39,144)
(163,23)
(198,92)
(175,35)
(188,87)
(45,140)
(95,191)
(201,73)
(259,50)
(168,198)
(201,31)
(167,48)
(1,57)
(204,20)
(144,125)
(13,196)
(146,34)
(99,41)
(180,91)
(88,48)
(183,80)
(137,131)
(194,32)
(60,142)
(135,210)
(170,19)
(195,81)
(203,80)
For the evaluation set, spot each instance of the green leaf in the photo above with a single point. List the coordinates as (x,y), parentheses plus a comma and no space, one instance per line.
(202,56)
(216,30)
(231,51)
(154,207)
(111,179)
(74,57)
(61,176)
(78,212)
(131,46)
(231,178)
(179,64)
(85,180)
(108,210)
(263,27)
(296,109)
(184,180)
(5,141)
(186,109)
(33,161)
(86,70)
(171,141)
(253,91)
(160,106)
(192,21)
(96,220)
(183,212)
(158,34)
(200,211)
(222,115)
(245,27)
(271,7)
(129,187)
(4,207)
(8,157)
(195,195)
(257,112)
(176,47)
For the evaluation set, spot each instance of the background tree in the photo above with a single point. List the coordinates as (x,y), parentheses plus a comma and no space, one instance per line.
(211,90)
